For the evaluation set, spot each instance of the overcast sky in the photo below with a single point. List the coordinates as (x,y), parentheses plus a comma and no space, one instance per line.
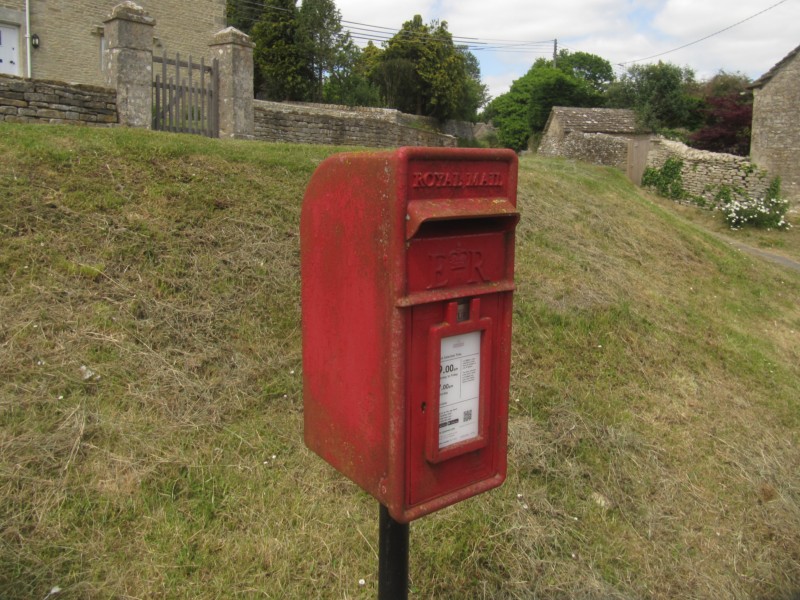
(618,30)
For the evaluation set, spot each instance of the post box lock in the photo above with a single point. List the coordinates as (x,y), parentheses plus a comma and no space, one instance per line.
(407,262)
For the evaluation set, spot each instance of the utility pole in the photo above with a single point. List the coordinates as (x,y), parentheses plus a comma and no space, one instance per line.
(555,53)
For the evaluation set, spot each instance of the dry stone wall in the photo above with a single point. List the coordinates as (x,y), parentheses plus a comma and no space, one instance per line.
(460,129)
(308,124)
(595,148)
(711,176)
(31,101)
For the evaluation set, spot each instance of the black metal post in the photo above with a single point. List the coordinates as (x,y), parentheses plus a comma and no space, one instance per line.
(392,558)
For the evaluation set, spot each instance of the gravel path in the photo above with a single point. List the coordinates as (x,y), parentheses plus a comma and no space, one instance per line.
(770,256)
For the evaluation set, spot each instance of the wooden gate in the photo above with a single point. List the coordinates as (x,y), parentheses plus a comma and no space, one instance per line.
(186,96)
(638,149)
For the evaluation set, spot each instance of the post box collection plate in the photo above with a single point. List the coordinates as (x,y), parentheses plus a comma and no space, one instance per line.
(407,262)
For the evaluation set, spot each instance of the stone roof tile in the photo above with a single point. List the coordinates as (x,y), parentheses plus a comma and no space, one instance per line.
(764,79)
(596,120)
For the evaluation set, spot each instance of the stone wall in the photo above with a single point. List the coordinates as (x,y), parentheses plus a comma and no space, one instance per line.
(309,124)
(595,148)
(459,129)
(25,100)
(775,140)
(707,174)
(32,101)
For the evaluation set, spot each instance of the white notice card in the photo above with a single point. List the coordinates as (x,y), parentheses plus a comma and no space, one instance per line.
(459,388)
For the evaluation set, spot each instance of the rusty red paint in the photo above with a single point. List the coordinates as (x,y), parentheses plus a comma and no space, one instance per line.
(393,244)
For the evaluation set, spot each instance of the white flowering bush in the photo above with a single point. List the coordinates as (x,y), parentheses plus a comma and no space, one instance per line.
(767,213)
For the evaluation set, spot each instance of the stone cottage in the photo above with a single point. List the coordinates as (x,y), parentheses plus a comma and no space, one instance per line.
(602,136)
(66,41)
(775,137)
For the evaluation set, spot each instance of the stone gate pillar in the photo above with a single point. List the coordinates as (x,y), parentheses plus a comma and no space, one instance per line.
(129,60)
(235,53)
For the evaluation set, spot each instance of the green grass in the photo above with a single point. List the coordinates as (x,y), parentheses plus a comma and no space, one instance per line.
(785,243)
(151,398)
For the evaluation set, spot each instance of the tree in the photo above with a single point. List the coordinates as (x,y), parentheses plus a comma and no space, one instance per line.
(297,50)
(475,94)
(728,115)
(597,72)
(724,83)
(281,62)
(320,36)
(395,70)
(421,71)
(727,126)
(349,81)
(442,72)
(302,54)
(663,95)
(552,87)
(509,113)
(243,14)
(525,108)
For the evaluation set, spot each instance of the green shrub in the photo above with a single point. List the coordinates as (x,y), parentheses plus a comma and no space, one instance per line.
(668,180)
(724,195)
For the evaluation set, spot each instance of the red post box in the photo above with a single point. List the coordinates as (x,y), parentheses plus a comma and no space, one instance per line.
(407,262)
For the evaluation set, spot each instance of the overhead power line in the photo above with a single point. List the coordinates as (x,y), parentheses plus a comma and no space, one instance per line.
(365,32)
(703,38)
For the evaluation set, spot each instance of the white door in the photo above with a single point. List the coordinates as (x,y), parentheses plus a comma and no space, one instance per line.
(9,50)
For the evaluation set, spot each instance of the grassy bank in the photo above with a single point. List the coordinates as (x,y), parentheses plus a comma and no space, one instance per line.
(151,398)
(786,243)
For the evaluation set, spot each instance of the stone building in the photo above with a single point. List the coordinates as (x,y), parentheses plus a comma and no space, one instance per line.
(564,120)
(67,41)
(775,138)
(602,136)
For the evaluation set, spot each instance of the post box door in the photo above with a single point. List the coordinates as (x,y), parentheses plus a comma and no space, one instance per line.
(456,404)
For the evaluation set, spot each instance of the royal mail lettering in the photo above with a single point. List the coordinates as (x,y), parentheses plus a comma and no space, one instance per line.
(455,179)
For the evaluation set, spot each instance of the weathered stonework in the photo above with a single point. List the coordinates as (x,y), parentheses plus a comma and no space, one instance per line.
(610,137)
(601,136)
(72,33)
(459,129)
(775,138)
(307,124)
(707,174)
(235,53)
(129,60)
(25,100)
(32,101)
(594,148)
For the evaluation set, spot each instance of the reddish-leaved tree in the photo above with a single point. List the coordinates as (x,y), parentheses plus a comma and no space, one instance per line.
(727,125)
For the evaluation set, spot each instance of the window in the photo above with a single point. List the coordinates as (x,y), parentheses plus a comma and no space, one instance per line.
(103,47)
